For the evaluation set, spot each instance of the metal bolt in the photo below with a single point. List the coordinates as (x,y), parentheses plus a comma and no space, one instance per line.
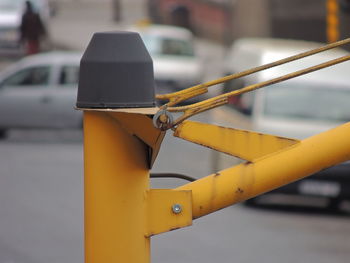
(177,208)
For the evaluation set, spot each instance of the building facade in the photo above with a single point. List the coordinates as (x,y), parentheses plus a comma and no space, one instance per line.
(227,20)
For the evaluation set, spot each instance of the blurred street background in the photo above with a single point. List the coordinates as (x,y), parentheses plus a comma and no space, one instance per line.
(41,171)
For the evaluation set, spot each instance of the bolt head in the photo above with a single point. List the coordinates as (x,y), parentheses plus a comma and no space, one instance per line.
(177,208)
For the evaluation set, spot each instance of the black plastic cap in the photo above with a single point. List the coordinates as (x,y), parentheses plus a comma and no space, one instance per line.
(116,71)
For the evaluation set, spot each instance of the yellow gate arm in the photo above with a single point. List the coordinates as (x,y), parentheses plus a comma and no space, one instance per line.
(268,172)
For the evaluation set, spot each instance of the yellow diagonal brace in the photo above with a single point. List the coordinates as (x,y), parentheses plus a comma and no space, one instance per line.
(159,206)
(244,144)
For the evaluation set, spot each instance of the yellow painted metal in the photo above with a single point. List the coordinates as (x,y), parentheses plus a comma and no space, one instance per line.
(250,179)
(243,144)
(116,179)
(161,218)
(182,95)
(121,212)
(332,20)
(141,126)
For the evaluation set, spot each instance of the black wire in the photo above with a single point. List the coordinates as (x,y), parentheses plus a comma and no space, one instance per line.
(172,175)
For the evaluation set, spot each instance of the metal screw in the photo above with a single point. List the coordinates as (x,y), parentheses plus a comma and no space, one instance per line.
(177,208)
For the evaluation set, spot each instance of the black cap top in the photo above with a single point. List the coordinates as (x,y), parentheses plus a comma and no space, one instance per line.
(116,71)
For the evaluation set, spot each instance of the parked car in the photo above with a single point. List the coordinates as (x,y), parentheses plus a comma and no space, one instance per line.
(39,91)
(10,19)
(297,108)
(176,64)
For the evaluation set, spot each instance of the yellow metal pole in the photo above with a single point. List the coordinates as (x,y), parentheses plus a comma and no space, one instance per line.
(332,21)
(116,180)
(250,179)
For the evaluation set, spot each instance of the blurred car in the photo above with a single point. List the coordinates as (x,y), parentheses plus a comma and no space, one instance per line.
(39,91)
(297,108)
(176,64)
(10,20)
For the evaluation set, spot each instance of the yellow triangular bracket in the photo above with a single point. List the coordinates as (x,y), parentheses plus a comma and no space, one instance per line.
(243,144)
(150,135)
(161,216)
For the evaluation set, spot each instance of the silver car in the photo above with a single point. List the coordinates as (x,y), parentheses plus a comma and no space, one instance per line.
(40,91)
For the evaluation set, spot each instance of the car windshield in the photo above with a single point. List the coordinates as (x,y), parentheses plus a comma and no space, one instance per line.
(168,46)
(289,101)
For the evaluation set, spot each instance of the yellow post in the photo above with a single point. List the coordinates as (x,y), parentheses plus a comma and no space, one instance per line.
(116,180)
(121,212)
(120,146)
(332,21)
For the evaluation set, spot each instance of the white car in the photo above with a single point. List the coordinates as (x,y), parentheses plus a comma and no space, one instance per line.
(40,91)
(297,108)
(11,12)
(176,64)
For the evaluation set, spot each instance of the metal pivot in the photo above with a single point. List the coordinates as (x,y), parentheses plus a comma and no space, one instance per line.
(163,120)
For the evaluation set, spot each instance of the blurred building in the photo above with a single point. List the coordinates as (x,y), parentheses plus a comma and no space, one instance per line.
(226,20)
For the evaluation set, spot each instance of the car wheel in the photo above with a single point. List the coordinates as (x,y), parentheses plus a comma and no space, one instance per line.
(3,134)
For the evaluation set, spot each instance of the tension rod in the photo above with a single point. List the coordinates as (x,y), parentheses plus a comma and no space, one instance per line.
(177,97)
(193,109)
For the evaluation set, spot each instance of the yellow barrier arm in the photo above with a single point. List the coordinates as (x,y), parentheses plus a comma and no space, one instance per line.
(271,171)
